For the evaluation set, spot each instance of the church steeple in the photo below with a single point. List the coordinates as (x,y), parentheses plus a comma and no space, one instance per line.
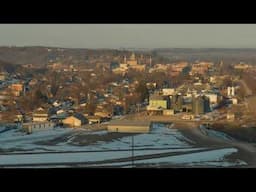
(124,59)
(132,57)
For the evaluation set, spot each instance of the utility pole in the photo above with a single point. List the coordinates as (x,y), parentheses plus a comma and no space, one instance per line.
(132,151)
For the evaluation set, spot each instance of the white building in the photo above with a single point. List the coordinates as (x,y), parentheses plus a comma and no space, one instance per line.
(231,91)
(168,91)
(38,126)
(212,97)
(234,101)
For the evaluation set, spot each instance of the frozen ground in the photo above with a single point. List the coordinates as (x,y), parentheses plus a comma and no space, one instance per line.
(206,158)
(80,157)
(211,158)
(160,137)
(217,134)
(162,146)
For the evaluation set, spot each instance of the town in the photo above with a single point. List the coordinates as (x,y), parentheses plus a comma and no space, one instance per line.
(123,84)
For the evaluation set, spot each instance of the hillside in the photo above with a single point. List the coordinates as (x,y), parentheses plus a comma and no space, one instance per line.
(211,54)
(43,55)
(8,67)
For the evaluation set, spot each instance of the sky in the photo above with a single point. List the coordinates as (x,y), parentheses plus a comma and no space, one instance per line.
(115,36)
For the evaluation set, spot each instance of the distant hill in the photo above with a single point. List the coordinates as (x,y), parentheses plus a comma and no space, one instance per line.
(212,54)
(43,55)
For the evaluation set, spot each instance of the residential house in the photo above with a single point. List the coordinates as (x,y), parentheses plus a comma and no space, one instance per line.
(3,76)
(94,119)
(102,114)
(16,89)
(40,115)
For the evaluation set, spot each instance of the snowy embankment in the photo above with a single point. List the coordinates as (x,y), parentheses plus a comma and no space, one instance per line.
(214,158)
(211,158)
(16,139)
(79,157)
(158,142)
(159,137)
(206,158)
(216,134)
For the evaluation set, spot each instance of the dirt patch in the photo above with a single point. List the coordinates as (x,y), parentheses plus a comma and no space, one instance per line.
(55,141)
(87,139)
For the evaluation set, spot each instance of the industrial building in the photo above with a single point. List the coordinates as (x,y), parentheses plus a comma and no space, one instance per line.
(200,105)
(158,103)
(176,103)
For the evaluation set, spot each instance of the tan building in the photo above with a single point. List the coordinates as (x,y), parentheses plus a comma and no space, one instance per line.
(168,91)
(102,114)
(200,68)
(18,118)
(3,75)
(138,67)
(230,116)
(187,117)
(241,66)
(234,101)
(176,68)
(120,70)
(168,112)
(124,65)
(16,89)
(128,126)
(132,60)
(131,63)
(76,120)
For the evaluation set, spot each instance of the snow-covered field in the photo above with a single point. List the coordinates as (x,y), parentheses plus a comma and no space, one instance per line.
(217,134)
(80,157)
(206,158)
(211,158)
(155,144)
(160,137)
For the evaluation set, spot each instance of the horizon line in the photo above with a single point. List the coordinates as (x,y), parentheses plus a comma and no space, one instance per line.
(121,48)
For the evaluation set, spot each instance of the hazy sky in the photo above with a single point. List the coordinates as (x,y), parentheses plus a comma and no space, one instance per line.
(130,35)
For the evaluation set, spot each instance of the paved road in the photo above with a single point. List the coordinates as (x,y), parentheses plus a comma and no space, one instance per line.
(247,151)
